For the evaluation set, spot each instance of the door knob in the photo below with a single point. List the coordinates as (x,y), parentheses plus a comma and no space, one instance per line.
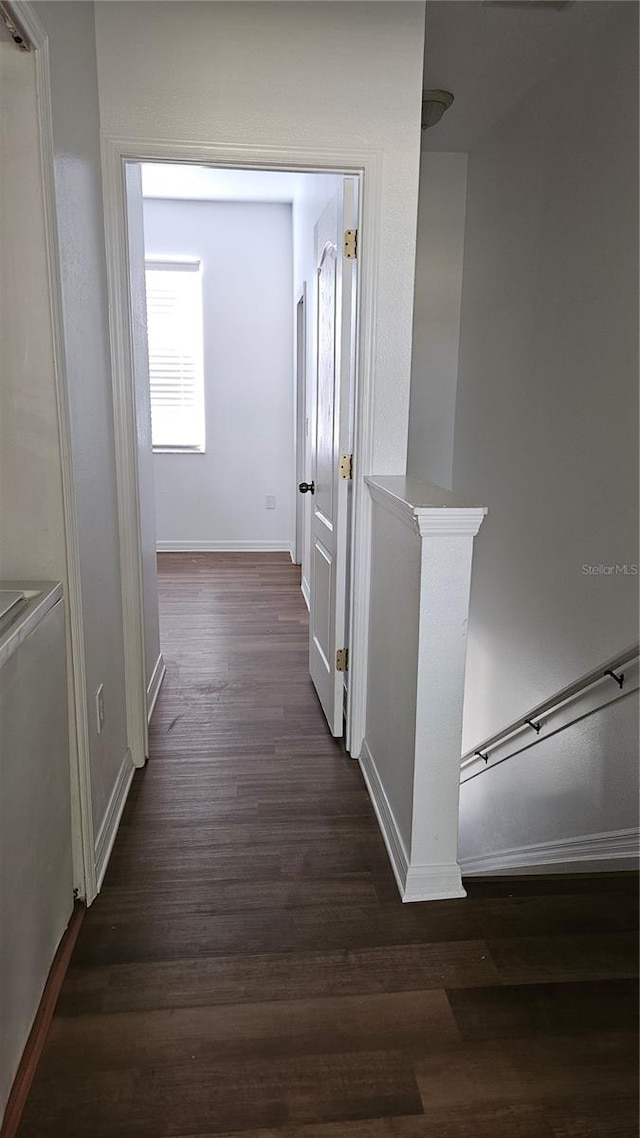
(307,487)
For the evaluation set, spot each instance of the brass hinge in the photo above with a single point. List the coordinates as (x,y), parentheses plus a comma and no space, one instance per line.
(351,244)
(342,660)
(346,466)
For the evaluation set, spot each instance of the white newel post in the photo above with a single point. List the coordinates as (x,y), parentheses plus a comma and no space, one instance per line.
(420,582)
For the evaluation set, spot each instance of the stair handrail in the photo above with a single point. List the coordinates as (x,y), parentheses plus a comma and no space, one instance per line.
(611,671)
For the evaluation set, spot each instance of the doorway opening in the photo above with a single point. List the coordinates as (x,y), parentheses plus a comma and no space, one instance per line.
(242,303)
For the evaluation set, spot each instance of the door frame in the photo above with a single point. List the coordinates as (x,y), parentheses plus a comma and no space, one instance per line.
(299,419)
(83,836)
(367,166)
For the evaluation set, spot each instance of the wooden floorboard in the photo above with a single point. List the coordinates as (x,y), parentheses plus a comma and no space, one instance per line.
(249,969)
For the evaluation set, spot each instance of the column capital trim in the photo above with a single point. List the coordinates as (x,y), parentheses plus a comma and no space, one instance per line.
(428,509)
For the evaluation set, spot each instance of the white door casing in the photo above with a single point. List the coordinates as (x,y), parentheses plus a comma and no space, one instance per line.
(366,166)
(83,838)
(335,317)
(142,399)
(300,416)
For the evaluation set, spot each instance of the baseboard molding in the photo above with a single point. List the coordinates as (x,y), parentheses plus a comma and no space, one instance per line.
(306,592)
(386,819)
(40,1028)
(113,814)
(155,683)
(434,882)
(282,546)
(415,882)
(615,850)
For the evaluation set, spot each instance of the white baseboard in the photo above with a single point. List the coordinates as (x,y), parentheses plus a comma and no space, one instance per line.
(386,820)
(111,820)
(155,683)
(415,882)
(306,592)
(282,546)
(434,882)
(615,850)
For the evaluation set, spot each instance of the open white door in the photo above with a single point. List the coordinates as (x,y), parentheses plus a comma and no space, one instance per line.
(331,485)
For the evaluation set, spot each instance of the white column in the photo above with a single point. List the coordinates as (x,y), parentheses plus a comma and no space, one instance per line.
(421,574)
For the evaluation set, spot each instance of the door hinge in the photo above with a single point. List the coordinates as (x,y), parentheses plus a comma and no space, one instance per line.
(351,244)
(342,660)
(345,469)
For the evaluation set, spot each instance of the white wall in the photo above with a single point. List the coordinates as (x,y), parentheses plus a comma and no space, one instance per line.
(218,498)
(316,76)
(312,194)
(580,783)
(31,512)
(546,427)
(394,636)
(436,316)
(82,265)
(36,883)
(36,876)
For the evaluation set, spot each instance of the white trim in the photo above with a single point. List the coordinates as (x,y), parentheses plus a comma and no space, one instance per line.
(394,506)
(448,514)
(433,882)
(386,819)
(306,592)
(299,435)
(569,706)
(258,546)
(154,685)
(126,453)
(367,165)
(179,450)
(566,854)
(180,264)
(369,208)
(452,520)
(415,882)
(113,813)
(292,555)
(84,869)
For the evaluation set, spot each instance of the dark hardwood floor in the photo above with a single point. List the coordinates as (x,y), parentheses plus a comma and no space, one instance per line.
(249,968)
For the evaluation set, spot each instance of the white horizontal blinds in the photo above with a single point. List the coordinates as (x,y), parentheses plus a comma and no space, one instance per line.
(174,329)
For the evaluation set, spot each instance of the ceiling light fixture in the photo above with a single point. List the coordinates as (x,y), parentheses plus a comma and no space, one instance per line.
(434,104)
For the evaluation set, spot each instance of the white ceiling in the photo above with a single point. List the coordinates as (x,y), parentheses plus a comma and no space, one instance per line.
(490,56)
(168,180)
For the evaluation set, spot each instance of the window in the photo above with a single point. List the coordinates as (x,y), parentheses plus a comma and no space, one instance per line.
(174,329)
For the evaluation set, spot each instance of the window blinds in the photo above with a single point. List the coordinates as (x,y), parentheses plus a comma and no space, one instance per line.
(174,330)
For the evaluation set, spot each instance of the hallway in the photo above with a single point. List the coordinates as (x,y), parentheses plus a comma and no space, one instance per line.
(249,969)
